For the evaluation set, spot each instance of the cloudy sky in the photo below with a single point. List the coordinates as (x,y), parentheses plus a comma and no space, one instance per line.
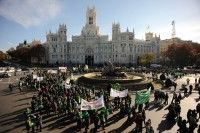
(30,19)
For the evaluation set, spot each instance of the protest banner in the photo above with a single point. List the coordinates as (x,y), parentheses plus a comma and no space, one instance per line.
(40,78)
(142,96)
(67,86)
(52,71)
(97,104)
(34,76)
(116,93)
(62,69)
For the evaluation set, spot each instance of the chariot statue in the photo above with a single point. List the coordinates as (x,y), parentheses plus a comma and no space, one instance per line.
(111,71)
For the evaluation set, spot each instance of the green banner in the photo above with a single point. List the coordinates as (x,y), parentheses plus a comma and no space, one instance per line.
(179,74)
(142,96)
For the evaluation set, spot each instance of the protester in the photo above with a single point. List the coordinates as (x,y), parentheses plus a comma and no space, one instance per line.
(184,128)
(96,121)
(188,81)
(198,131)
(39,122)
(148,127)
(166,99)
(198,110)
(190,89)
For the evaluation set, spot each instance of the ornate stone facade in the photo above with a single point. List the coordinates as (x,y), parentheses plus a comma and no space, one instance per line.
(92,48)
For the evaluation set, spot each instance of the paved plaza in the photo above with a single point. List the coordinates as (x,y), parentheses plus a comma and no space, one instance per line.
(13,104)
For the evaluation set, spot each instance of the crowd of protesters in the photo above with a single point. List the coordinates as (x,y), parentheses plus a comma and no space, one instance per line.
(53,98)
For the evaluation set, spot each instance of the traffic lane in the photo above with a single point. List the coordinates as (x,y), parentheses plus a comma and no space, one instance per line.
(12,105)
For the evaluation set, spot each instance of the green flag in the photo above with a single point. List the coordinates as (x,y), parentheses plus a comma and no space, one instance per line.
(142,96)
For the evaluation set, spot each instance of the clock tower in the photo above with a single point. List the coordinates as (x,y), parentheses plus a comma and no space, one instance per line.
(90,28)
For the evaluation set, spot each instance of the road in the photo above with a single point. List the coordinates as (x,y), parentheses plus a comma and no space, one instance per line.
(13,104)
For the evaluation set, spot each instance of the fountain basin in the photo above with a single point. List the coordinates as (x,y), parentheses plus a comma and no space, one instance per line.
(132,81)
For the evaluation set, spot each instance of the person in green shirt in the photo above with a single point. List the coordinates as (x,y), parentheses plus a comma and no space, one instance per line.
(148,127)
(28,124)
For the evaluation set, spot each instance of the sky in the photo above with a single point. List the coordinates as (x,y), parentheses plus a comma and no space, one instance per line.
(31,19)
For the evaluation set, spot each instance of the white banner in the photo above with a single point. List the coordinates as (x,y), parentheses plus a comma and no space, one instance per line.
(40,78)
(52,71)
(97,104)
(67,86)
(62,69)
(116,93)
(34,76)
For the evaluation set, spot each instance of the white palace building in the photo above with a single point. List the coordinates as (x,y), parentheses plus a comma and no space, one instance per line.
(91,48)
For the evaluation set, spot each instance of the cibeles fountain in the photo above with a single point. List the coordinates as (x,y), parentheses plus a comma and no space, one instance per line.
(112,75)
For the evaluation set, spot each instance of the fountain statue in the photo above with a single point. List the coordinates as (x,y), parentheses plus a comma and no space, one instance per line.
(110,71)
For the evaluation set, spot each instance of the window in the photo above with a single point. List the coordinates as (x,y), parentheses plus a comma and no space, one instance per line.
(131,49)
(123,49)
(90,20)
(77,49)
(130,37)
(123,38)
(54,50)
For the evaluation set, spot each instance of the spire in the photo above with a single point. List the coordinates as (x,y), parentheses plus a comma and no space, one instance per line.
(127,30)
(148,28)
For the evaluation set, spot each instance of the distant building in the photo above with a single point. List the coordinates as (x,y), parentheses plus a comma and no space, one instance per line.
(92,48)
